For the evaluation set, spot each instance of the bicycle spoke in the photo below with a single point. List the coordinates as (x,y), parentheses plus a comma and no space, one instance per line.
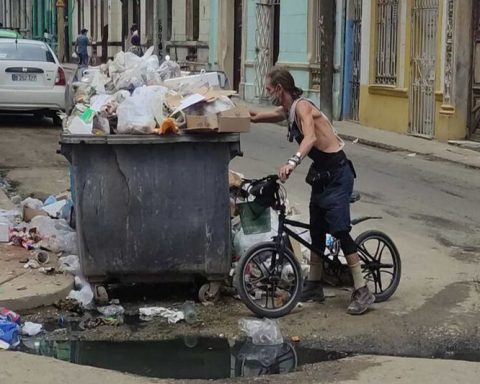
(377,254)
(379,281)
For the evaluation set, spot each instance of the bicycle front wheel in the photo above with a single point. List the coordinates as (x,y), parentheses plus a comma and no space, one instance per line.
(269,286)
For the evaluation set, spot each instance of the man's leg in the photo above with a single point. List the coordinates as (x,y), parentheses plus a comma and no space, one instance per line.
(312,288)
(362,298)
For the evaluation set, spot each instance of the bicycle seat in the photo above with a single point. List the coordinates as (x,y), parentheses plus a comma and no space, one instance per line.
(354,197)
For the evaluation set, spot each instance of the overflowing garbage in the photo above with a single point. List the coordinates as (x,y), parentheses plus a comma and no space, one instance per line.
(140,95)
(262,331)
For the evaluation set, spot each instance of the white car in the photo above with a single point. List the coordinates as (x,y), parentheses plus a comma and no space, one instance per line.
(31,78)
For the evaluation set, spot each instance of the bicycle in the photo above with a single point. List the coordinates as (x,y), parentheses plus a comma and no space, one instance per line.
(269,278)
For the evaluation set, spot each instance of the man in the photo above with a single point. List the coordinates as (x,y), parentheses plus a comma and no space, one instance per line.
(135,41)
(81,47)
(331,176)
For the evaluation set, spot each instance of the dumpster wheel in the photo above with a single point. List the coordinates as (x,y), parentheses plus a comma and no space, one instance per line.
(209,292)
(101,295)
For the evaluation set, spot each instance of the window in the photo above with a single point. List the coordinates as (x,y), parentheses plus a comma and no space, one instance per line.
(386,42)
(25,52)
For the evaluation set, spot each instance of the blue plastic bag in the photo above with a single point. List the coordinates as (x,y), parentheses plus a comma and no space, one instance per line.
(9,332)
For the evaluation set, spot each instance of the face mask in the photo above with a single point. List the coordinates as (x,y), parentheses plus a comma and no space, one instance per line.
(275,100)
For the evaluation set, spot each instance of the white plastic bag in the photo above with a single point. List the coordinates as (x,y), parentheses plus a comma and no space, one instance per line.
(85,295)
(31,329)
(70,263)
(262,332)
(57,235)
(136,113)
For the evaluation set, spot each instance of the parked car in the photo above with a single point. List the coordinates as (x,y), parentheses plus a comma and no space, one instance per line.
(31,78)
(10,34)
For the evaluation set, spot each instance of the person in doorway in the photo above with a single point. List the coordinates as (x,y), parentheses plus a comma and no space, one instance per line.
(135,41)
(331,177)
(46,36)
(81,47)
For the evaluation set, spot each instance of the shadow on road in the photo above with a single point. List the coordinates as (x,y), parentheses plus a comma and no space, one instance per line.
(26,121)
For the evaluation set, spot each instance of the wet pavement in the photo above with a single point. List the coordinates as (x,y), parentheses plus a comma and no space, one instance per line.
(188,357)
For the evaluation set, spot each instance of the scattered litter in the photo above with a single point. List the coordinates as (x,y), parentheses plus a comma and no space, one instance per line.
(111,310)
(355,141)
(32,263)
(412,155)
(9,327)
(42,257)
(31,329)
(47,270)
(9,315)
(84,295)
(295,339)
(148,313)
(70,263)
(262,332)
(188,309)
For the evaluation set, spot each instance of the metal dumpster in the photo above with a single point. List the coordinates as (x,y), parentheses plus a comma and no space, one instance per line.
(152,208)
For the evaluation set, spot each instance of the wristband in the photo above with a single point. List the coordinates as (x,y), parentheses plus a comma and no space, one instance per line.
(292,162)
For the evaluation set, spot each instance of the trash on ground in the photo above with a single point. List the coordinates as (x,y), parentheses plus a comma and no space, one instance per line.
(173,316)
(32,264)
(9,328)
(412,155)
(31,329)
(83,294)
(263,332)
(111,310)
(70,263)
(188,309)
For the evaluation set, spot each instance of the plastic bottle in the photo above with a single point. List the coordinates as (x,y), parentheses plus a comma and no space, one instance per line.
(188,309)
(329,241)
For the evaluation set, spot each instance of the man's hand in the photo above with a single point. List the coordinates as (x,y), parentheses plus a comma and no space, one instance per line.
(253,114)
(285,171)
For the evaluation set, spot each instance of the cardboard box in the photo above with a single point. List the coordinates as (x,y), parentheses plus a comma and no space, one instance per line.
(235,120)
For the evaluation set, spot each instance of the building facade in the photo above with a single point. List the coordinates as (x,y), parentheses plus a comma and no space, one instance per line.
(409,66)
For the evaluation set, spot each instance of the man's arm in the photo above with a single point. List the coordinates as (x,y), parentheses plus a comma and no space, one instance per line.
(274,116)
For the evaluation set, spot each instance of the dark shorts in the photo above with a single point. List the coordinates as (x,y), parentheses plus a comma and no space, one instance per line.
(330,205)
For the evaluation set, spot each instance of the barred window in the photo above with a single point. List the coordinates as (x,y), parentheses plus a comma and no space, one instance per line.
(387,42)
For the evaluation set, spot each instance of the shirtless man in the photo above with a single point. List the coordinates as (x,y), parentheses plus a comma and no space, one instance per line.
(331,176)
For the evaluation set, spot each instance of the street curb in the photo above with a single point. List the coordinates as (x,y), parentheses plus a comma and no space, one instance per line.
(371,143)
(38,300)
(393,148)
(5,202)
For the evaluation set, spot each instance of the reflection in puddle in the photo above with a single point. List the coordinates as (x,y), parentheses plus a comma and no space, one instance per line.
(183,358)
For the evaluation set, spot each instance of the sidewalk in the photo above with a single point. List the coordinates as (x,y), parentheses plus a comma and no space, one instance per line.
(351,131)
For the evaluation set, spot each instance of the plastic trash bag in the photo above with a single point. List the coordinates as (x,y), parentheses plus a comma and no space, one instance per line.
(84,295)
(70,263)
(57,235)
(9,336)
(169,69)
(111,310)
(262,332)
(135,116)
(31,329)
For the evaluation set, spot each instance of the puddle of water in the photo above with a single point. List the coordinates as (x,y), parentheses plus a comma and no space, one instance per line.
(183,358)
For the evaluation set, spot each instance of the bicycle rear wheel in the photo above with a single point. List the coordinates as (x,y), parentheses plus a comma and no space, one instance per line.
(268,286)
(381,263)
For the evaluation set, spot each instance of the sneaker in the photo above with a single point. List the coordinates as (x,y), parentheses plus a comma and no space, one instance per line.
(312,291)
(362,298)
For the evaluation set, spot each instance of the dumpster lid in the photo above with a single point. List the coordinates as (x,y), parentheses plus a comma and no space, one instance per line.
(149,139)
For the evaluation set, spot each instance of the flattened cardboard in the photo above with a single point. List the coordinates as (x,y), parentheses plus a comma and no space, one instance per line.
(235,120)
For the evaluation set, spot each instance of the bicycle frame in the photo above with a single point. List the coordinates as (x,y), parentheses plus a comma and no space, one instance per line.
(283,228)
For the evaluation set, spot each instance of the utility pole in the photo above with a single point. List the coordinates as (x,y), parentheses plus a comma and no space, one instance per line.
(327,20)
(60,4)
